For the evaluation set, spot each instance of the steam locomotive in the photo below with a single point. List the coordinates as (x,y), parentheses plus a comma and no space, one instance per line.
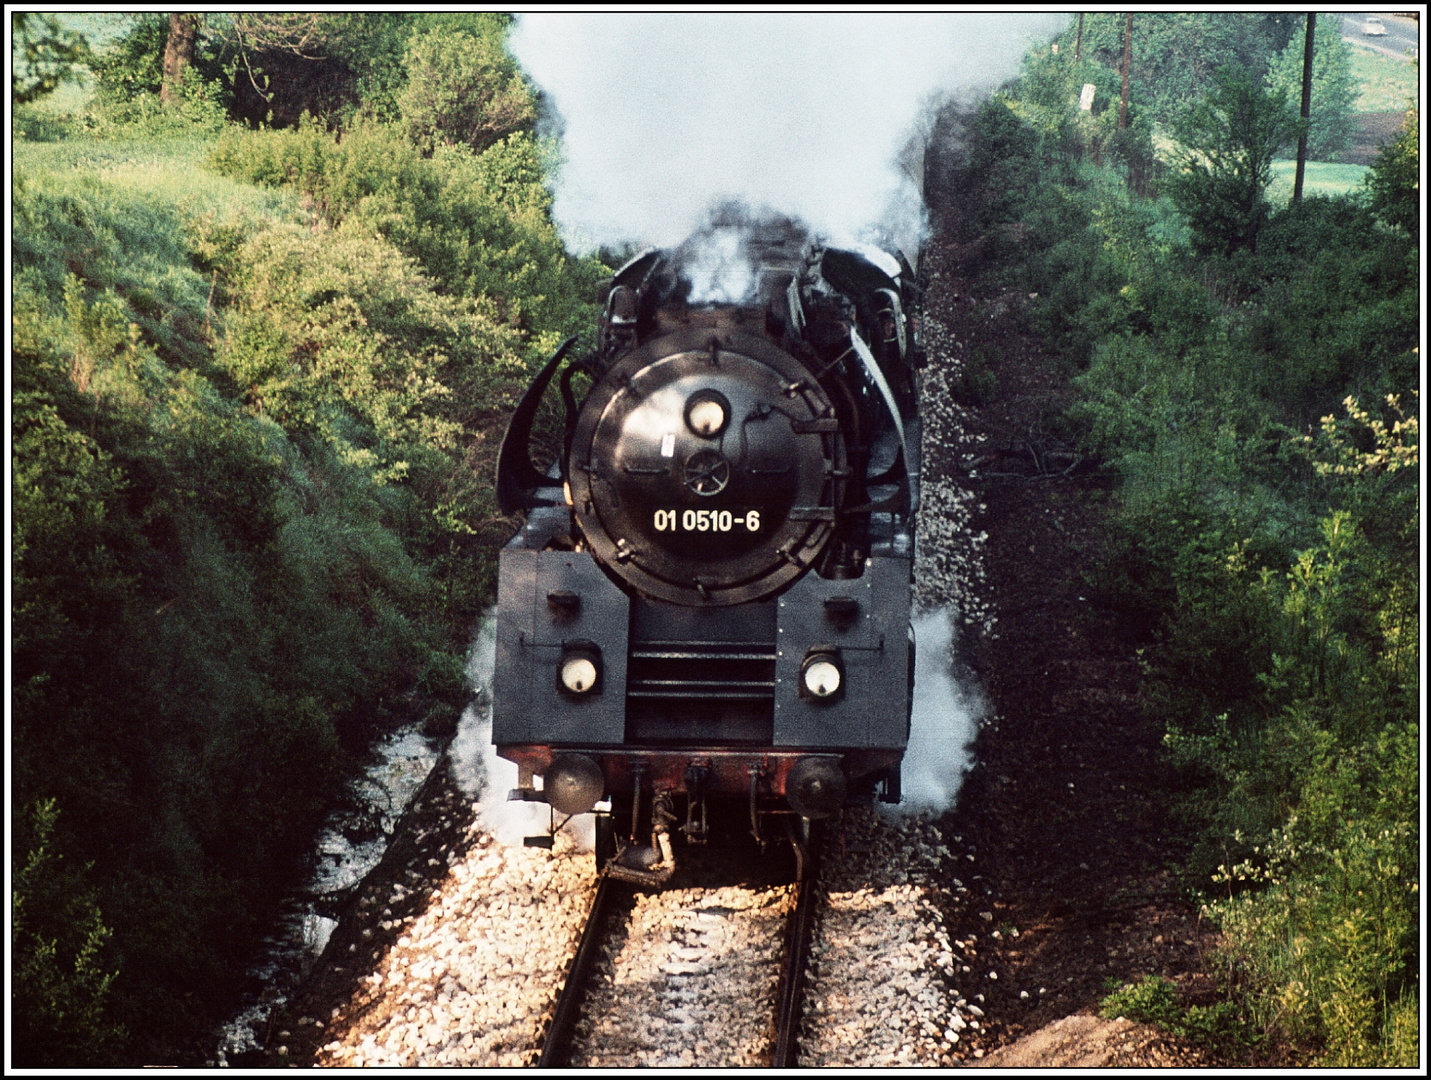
(705,618)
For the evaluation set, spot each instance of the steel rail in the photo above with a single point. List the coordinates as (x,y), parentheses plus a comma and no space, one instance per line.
(797,948)
(568,1004)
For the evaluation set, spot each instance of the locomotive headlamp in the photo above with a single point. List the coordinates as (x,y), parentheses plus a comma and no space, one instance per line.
(573,784)
(707,413)
(815,787)
(822,676)
(579,672)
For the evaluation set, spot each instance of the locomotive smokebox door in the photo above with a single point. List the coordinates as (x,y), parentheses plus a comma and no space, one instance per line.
(553,682)
(700,468)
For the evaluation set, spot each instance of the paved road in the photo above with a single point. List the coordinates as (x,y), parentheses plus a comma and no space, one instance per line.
(1402,34)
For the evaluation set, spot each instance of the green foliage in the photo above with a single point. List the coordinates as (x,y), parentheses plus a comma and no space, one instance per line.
(373,47)
(1176,55)
(1153,1000)
(1228,140)
(204,601)
(1272,574)
(48,56)
(464,89)
(59,985)
(1338,311)
(1334,89)
(129,73)
(1048,100)
(1329,939)
(478,224)
(1000,168)
(1395,180)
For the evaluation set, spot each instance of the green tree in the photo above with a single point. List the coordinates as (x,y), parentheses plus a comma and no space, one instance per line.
(59,986)
(1395,179)
(1176,55)
(48,55)
(464,88)
(1334,87)
(1224,164)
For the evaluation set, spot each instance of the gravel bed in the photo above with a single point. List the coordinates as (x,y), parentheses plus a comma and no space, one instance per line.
(881,987)
(690,980)
(473,979)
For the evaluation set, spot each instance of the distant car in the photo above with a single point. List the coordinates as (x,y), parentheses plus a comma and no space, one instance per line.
(1374,27)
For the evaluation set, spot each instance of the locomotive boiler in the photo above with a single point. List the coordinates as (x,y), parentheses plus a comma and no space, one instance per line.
(705,617)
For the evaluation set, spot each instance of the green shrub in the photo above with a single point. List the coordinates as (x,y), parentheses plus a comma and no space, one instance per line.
(1152,1000)
(1271,574)
(463,88)
(479,224)
(1228,140)
(60,991)
(1396,177)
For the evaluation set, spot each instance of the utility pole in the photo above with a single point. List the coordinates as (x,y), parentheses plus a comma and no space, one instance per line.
(1127,57)
(1306,107)
(1078,45)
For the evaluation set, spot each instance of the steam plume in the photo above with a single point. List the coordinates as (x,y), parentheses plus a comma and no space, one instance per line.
(946,716)
(807,114)
(486,777)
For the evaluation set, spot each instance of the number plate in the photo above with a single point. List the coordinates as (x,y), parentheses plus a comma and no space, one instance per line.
(706,520)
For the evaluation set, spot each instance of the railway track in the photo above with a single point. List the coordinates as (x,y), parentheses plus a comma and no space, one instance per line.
(677,977)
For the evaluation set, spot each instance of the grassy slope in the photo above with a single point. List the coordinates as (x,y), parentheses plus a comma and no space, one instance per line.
(1386,84)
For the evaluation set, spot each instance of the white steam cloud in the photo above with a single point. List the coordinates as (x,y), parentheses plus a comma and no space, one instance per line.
(484,776)
(946,719)
(805,114)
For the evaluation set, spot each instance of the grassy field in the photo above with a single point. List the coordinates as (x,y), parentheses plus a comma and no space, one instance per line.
(1387,85)
(1323,178)
(162,170)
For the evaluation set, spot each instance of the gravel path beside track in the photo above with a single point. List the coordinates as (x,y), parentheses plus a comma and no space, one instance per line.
(471,981)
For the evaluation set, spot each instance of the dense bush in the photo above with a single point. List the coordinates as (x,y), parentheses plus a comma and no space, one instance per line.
(1395,180)
(463,89)
(1273,575)
(1228,139)
(251,505)
(478,224)
(59,1008)
(199,606)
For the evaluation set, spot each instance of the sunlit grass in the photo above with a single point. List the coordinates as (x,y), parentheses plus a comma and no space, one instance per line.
(1387,85)
(1322,178)
(169,171)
